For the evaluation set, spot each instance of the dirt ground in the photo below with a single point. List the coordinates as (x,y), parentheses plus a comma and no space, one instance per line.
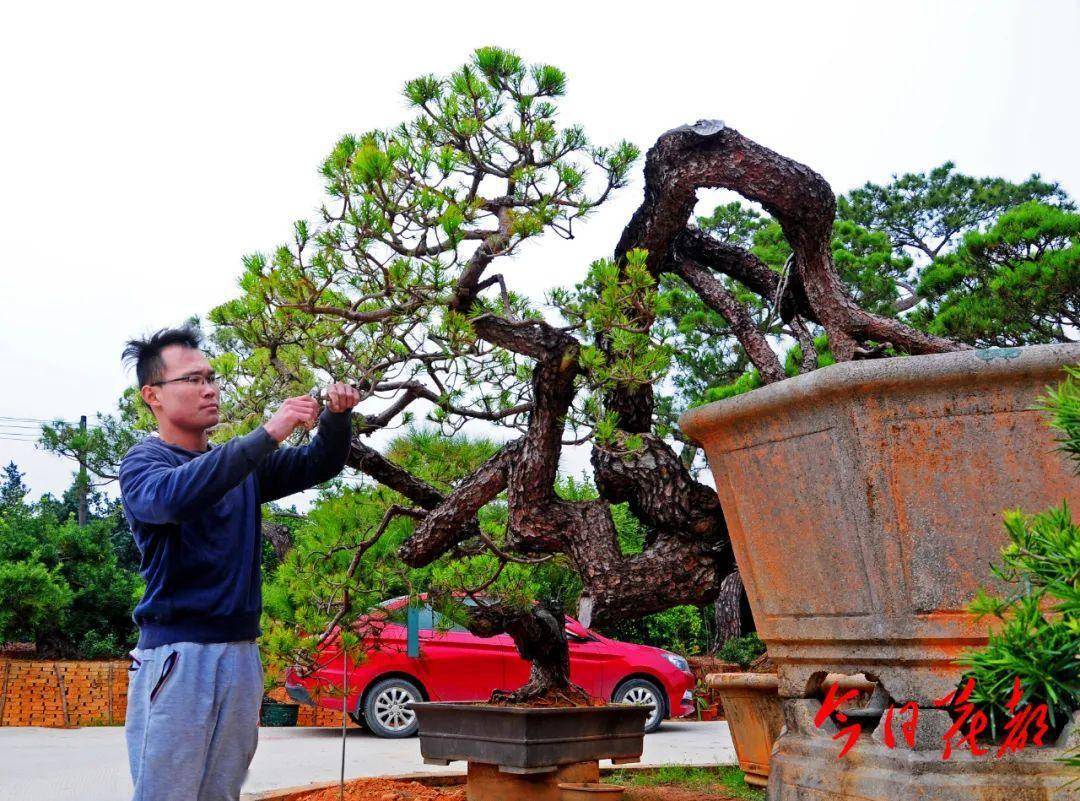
(384,790)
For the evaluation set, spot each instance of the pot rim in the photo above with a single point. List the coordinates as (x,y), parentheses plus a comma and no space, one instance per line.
(854,377)
(756,681)
(517,710)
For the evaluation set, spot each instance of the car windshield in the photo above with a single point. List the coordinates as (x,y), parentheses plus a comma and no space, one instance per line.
(428,619)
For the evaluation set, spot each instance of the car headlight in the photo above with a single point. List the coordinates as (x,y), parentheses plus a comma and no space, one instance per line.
(678,662)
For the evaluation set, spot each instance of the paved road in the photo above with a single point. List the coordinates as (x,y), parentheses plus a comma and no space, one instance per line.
(91,764)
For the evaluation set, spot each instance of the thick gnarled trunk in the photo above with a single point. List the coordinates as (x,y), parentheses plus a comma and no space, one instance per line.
(539,634)
(731,613)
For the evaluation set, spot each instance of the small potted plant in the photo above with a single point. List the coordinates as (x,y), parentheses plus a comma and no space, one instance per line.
(707,702)
(273,712)
(751,705)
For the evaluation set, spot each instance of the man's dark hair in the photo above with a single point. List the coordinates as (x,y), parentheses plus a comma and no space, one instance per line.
(146,353)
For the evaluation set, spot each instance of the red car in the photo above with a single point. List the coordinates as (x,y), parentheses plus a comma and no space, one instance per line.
(455,665)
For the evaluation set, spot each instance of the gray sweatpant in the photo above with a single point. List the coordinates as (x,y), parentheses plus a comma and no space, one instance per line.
(192,719)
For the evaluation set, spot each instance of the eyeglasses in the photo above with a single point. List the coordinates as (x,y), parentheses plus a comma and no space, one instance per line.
(194,380)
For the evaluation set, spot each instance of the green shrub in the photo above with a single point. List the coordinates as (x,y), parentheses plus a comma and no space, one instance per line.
(31,596)
(62,585)
(681,629)
(1039,636)
(741,650)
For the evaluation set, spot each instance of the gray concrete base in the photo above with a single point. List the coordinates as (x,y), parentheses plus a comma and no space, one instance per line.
(806,765)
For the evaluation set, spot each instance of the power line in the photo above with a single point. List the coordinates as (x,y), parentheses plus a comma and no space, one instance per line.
(39,421)
(40,426)
(30,435)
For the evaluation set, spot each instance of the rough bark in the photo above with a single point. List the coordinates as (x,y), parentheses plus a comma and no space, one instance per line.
(709,154)
(280,538)
(452,520)
(659,490)
(727,609)
(372,463)
(714,295)
(744,267)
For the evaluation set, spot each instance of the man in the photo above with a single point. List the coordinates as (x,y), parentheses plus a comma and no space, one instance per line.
(194,509)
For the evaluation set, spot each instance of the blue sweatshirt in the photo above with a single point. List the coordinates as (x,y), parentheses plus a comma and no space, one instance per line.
(197,521)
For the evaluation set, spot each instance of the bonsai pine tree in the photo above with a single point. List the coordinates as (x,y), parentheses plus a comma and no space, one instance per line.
(404,287)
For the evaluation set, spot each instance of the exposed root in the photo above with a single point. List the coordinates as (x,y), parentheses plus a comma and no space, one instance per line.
(533,695)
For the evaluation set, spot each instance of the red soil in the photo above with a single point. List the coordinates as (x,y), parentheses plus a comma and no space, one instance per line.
(385,790)
(572,696)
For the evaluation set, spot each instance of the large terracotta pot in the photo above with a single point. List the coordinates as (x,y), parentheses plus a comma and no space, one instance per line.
(864,503)
(754,716)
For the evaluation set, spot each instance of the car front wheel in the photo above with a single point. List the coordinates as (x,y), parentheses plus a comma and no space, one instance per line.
(643,691)
(386,713)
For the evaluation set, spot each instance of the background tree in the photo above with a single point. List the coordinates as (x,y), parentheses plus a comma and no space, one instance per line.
(96,449)
(101,447)
(64,586)
(925,214)
(1016,283)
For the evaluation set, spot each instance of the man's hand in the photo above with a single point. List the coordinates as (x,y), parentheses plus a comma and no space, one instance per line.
(294,412)
(341,397)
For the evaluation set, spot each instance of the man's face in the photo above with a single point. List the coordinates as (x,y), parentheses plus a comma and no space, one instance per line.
(192,407)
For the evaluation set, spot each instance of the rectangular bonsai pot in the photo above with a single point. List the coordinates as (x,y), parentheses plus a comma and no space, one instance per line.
(524,740)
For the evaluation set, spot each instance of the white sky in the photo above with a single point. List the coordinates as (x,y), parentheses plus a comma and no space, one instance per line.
(145,147)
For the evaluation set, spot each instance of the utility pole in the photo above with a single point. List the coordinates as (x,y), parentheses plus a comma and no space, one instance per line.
(82,470)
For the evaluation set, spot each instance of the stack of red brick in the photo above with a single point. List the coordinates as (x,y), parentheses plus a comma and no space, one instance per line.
(61,694)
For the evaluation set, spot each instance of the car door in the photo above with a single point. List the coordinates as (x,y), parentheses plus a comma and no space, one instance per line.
(461,666)
(587,658)
(515,669)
